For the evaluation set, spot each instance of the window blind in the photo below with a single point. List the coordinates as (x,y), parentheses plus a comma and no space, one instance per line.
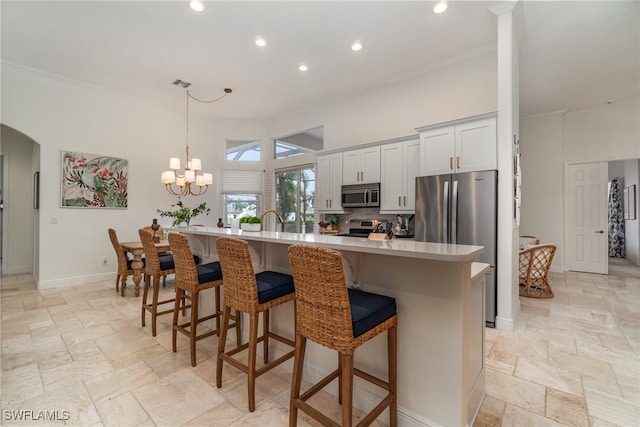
(242,182)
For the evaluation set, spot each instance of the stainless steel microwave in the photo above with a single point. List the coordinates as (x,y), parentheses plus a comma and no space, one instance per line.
(360,196)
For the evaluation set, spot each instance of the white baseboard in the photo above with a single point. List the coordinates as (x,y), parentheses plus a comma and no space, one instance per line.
(77,280)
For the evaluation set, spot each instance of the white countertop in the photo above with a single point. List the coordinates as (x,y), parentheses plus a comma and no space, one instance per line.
(407,248)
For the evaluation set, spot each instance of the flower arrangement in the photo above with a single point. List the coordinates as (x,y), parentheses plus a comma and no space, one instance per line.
(184,214)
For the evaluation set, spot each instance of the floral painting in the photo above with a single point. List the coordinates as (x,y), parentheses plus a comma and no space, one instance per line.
(94,181)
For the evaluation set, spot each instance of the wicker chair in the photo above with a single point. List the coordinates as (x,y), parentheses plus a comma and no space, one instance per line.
(193,279)
(156,266)
(341,319)
(253,294)
(534,268)
(124,264)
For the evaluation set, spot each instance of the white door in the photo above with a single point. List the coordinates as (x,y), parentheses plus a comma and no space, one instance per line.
(586,217)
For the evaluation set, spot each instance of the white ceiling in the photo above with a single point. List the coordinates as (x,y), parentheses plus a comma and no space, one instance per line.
(575,55)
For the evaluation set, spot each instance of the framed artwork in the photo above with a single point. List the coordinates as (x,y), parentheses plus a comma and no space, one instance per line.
(629,203)
(94,181)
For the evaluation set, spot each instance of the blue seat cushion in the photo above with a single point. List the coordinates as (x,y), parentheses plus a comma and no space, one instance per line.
(209,272)
(166,261)
(130,261)
(272,285)
(369,310)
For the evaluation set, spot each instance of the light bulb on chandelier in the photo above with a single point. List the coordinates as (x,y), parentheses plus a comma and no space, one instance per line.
(190,176)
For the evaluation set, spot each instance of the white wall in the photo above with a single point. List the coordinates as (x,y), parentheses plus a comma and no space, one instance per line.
(632,226)
(463,89)
(542,181)
(600,134)
(64,115)
(18,203)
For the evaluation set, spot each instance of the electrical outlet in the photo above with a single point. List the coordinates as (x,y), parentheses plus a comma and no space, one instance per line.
(105,262)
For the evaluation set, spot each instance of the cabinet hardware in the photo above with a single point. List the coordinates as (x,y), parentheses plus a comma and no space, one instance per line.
(405,200)
(450,162)
(458,162)
(399,203)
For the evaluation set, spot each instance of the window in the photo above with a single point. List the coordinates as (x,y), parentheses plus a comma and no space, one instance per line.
(295,190)
(243,150)
(308,141)
(240,205)
(242,191)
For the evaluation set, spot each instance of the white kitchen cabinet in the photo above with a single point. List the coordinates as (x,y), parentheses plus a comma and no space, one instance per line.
(463,147)
(361,166)
(329,176)
(400,164)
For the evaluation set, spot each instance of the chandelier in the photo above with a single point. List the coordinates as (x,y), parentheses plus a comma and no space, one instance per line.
(190,176)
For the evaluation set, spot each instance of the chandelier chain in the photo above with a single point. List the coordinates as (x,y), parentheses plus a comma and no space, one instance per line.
(182,181)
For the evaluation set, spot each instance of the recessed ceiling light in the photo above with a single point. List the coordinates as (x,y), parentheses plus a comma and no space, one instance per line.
(440,7)
(303,67)
(357,45)
(196,5)
(261,42)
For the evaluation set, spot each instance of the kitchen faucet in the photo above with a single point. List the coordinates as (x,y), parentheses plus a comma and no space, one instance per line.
(273,211)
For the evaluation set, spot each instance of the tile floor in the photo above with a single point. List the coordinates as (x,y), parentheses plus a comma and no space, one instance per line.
(572,360)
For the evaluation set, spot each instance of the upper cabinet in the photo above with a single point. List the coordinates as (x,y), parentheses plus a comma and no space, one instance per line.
(400,165)
(329,185)
(463,147)
(361,166)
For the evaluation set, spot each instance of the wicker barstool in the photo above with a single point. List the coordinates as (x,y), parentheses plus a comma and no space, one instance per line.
(341,319)
(193,279)
(534,264)
(253,294)
(124,263)
(156,266)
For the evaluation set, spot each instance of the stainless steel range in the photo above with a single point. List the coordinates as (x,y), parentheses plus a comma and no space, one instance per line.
(363,227)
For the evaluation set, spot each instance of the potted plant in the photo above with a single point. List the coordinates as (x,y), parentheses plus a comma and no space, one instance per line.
(334,221)
(250,223)
(183,214)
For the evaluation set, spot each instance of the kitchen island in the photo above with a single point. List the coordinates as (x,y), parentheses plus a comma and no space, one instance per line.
(439,289)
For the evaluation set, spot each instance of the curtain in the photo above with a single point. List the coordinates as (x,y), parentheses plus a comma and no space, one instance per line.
(268,200)
(616,220)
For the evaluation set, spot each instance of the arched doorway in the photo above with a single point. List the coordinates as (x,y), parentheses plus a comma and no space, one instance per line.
(19,223)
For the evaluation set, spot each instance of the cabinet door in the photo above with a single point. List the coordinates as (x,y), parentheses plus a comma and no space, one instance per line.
(361,166)
(371,165)
(351,167)
(437,151)
(412,170)
(391,182)
(476,146)
(329,181)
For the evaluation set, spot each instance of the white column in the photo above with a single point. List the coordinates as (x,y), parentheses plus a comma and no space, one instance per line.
(508,128)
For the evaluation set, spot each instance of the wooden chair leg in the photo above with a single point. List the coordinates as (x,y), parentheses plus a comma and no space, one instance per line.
(347,388)
(117,283)
(238,328)
(123,283)
(392,344)
(265,334)
(296,380)
(176,310)
(340,379)
(145,293)
(221,344)
(251,362)
(154,303)
(217,309)
(193,327)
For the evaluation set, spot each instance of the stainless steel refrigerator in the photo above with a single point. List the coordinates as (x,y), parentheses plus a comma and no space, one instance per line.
(462,208)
